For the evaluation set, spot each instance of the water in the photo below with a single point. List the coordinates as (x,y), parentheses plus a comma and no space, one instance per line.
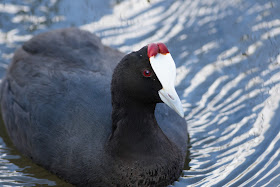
(228,66)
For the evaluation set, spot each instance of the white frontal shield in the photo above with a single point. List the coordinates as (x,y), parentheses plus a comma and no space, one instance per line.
(165,69)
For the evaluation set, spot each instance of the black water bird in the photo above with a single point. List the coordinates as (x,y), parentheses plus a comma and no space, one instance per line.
(59,110)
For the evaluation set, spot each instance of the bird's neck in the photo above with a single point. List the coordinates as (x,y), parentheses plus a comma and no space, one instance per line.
(139,147)
(133,115)
(135,130)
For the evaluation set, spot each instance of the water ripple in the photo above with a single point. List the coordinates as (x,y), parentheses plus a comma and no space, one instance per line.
(228,66)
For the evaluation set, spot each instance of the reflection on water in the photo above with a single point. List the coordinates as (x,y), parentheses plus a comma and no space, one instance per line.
(227,55)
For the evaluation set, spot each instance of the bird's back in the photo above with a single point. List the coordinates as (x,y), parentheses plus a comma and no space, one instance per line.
(55,99)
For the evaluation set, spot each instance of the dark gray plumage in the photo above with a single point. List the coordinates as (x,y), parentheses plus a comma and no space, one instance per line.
(56,105)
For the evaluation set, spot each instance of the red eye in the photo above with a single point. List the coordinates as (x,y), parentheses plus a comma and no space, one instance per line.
(147,73)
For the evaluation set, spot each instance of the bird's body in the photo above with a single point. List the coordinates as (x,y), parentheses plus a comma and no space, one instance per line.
(56,104)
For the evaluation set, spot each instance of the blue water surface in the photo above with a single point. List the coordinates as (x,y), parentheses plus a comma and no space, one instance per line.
(228,77)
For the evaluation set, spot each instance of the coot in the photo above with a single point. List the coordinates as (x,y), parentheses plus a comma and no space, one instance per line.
(59,110)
